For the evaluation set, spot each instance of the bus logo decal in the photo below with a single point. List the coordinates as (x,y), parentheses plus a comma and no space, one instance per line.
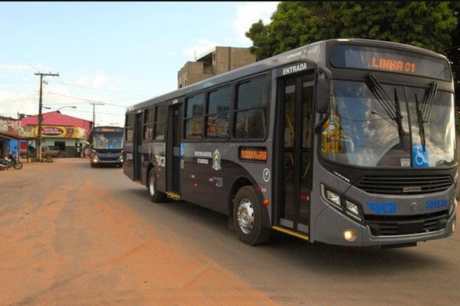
(266,175)
(216,160)
(295,68)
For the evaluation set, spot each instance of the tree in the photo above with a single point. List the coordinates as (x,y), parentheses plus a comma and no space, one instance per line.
(429,24)
(455,5)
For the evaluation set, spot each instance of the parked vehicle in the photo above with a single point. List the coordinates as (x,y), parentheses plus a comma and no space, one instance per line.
(10,161)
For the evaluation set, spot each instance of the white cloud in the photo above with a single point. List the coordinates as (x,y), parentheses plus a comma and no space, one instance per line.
(12,102)
(248,13)
(15,67)
(97,80)
(23,67)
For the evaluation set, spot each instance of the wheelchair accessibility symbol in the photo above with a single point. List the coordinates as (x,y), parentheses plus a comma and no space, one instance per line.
(419,157)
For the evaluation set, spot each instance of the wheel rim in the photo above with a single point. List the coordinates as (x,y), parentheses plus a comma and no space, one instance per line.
(245,216)
(152,184)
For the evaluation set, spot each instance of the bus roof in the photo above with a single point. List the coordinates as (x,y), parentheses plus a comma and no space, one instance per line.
(314,52)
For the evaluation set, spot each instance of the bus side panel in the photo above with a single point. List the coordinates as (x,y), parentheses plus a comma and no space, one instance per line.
(208,181)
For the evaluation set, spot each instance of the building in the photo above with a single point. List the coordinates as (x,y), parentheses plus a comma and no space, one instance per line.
(219,60)
(10,136)
(63,135)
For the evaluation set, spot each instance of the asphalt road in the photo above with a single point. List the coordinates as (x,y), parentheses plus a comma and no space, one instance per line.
(73,235)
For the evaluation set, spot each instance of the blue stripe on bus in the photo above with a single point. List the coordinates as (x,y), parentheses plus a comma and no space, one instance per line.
(382,208)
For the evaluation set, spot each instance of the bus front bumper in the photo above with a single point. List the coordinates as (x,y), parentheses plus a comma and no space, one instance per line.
(332,227)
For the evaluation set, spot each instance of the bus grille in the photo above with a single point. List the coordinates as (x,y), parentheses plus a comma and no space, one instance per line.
(415,184)
(404,225)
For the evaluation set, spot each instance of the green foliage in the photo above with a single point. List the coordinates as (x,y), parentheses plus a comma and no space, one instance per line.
(428,24)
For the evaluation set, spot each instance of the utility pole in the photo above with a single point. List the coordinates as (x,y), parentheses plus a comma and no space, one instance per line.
(40,117)
(94,110)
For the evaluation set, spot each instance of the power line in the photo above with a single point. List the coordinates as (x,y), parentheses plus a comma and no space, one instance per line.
(85,99)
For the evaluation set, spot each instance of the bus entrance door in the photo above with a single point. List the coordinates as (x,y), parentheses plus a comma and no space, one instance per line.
(137,147)
(174,148)
(295,152)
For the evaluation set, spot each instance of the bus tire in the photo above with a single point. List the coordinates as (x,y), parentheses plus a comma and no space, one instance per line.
(155,195)
(248,217)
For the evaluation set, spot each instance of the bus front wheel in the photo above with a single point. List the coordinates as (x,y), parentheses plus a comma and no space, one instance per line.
(248,217)
(155,195)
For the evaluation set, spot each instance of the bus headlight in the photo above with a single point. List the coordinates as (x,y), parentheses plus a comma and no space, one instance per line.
(95,159)
(121,158)
(350,208)
(333,197)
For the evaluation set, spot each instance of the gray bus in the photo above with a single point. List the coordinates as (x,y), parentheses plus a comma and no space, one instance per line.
(344,141)
(106,145)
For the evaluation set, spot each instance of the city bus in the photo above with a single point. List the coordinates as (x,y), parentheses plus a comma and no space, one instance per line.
(106,143)
(346,141)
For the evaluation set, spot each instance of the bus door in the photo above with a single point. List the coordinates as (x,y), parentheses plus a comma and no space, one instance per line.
(173,143)
(295,154)
(137,146)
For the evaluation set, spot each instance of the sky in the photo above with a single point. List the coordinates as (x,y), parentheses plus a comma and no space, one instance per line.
(118,53)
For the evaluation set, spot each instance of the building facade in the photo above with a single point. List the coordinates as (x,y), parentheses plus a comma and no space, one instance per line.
(219,60)
(10,136)
(62,135)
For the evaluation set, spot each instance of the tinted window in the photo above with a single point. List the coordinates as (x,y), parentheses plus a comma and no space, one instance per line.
(195,106)
(250,124)
(148,124)
(218,112)
(161,118)
(194,116)
(250,118)
(193,127)
(220,100)
(129,127)
(251,94)
(218,125)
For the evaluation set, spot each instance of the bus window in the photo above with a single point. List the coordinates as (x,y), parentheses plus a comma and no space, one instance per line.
(148,124)
(161,117)
(194,117)
(129,125)
(217,123)
(250,113)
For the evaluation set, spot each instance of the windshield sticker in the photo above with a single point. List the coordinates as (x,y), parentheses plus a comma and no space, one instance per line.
(216,160)
(405,162)
(419,156)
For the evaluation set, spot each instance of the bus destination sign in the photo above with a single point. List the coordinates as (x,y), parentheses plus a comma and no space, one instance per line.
(392,64)
(390,60)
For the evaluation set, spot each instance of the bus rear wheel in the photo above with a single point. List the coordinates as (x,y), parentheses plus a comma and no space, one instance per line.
(248,217)
(155,195)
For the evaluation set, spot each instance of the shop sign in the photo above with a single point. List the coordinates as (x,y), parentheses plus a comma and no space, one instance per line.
(53,131)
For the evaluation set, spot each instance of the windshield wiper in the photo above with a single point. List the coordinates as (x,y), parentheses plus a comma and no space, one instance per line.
(428,102)
(392,110)
(420,120)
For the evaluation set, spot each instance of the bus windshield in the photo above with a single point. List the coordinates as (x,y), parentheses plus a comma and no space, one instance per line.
(108,140)
(360,131)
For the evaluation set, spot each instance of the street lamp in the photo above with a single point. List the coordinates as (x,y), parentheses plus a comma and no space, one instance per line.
(66,106)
